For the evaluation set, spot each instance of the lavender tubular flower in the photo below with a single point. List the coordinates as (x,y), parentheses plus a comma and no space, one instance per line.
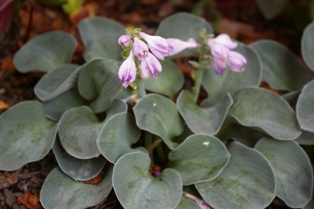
(124,40)
(158,45)
(224,40)
(139,48)
(236,61)
(150,66)
(177,45)
(219,66)
(127,71)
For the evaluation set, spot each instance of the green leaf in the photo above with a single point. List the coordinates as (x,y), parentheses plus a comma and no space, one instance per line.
(107,48)
(45,52)
(199,158)
(25,135)
(79,170)
(265,111)
(307,45)
(136,188)
(281,68)
(305,107)
(61,191)
(271,8)
(217,86)
(98,82)
(78,131)
(95,28)
(159,115)
(246,182)
(116,107)
(117,136)
(56,82)
(183,26)
(164,83)
(57,106)
(292,168)
(203,120)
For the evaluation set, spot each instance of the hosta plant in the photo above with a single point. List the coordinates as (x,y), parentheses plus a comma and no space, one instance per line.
(163,139)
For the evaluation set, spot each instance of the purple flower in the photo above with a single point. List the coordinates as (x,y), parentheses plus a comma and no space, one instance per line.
(224,40)
(124,40)
(219,65)
(236,61)
(150,66)
(158,45)
(176,45)
(139,48)
(127,71)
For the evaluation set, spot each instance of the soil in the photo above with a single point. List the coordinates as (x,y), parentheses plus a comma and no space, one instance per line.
(240,19)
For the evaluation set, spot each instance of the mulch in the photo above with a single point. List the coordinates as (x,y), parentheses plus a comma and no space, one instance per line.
(241,19)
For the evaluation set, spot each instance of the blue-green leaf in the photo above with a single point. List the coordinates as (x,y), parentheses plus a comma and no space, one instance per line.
(292,168)
(265,111)
(246,182)
(117,136)
(271,8)
(199,158)
(25,135)
(136,188)
(61,191)
(307,44)
(207,120)
(159,115)
(305,107)
(281,68)
(45,52)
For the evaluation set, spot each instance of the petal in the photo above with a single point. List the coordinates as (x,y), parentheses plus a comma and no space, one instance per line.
(151,66)
(219,66)
(236,61)
(225,40)
(127,71)
(219,51)
(139,48)
(177,45)
(158,45)
(124,40)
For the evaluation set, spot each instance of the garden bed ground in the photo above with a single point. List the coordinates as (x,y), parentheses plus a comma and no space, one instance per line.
(241,19)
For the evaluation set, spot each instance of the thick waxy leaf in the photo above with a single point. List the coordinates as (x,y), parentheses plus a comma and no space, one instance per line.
(79,170)
(164,83)
(217,86)
(45,52)
(61,191)
(183,26)
(271,8)
(78,131)
(106,47)
(117,136)
(307,44)
(99,83)
(266,111)
(292,168)
(305,107)
(57,106)
(25,135)
(246,182)
(136,188)
(159,115)
(292,98)
(203,120)
(117,106)
(281,68)
(56,81)
(199,158)
(95,28)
